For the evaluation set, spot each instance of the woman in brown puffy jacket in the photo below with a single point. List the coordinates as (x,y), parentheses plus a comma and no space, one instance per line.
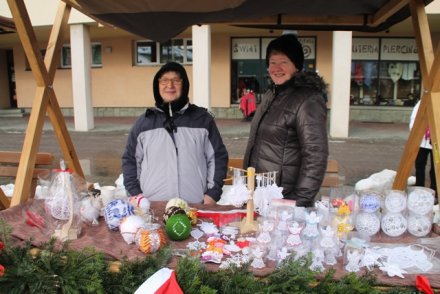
(289,130)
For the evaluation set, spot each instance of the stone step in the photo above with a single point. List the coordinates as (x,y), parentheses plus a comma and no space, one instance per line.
(13,112)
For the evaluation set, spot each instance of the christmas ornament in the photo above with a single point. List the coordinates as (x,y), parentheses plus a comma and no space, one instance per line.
(368,223)
(129,227)
(419,225)
(369,202)
(150,239)
(420,200)
(179,202)
(393,224)
(172,210)
(114,266)
(115,211)
(395,201)
(178,227)
(141,205)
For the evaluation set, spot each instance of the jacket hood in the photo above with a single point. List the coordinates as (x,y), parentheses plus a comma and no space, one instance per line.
(183,99)
(305,79)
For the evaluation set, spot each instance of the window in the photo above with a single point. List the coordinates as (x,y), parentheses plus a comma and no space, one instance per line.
(149,53)
(385,72)
(66,61)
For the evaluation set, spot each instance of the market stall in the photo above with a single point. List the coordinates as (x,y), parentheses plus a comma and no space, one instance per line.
(136,18)
(113,245)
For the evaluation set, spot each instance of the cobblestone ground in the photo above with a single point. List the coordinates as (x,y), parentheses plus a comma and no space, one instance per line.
(370,148)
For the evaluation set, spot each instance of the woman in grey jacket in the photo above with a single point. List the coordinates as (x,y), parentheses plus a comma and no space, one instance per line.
(289,130)
(175,149)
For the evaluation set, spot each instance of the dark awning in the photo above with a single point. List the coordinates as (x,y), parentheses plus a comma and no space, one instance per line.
(6,25)
(162,20)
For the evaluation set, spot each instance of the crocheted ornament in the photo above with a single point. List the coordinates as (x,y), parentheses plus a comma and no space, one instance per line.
(395,201)
(115,211)
(367,223)
(369,201)
(419,225)
(172,210)
(178,227)
(150,239)
(420,200)
(129,227)
(394,224)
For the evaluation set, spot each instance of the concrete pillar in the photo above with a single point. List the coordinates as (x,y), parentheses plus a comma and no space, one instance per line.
(201,81)
(81,55)
(340,90)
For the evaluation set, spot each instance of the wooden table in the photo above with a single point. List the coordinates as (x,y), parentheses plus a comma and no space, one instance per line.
(112,243)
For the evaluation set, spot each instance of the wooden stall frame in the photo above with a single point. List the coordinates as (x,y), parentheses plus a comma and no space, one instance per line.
(45,99)
(429,109)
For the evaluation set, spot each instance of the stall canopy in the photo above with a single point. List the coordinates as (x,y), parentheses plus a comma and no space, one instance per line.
(145,17)
(161,20)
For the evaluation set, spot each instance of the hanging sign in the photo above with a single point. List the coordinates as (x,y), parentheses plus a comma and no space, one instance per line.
(246,48)
(365,49)
(399,49)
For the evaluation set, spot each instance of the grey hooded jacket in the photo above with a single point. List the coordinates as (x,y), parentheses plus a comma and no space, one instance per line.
(289,135)
(175,150)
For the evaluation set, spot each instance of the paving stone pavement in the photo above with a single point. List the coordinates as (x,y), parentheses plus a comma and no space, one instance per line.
(370,147)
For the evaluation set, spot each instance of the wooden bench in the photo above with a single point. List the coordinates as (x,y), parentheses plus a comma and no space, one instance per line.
(9,161)
(331,178)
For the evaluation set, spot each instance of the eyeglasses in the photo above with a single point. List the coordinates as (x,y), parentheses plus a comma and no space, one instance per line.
(165,82)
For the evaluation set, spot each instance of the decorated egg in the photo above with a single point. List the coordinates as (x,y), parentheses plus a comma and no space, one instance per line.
(177,201)
(151,238)
(367,223)
(178,227)
(129,227)
(115,211)
(393,224)
(172,210)
(192,214)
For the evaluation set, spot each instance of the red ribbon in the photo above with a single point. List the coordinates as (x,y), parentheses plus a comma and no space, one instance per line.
(422,284)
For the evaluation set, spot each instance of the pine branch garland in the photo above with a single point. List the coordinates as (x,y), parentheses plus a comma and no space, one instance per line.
(50,269)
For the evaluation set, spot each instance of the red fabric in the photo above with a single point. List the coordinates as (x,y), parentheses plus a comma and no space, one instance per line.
(170,286)
(422,284)
(248,104)
(221,218)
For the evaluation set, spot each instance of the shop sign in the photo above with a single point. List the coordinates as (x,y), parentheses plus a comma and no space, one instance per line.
(246,48)
(399,49)
(365,49)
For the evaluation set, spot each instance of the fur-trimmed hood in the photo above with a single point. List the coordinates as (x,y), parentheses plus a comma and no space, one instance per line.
(304,79)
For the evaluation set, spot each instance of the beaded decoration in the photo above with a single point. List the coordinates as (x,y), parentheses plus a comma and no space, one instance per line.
(150,239)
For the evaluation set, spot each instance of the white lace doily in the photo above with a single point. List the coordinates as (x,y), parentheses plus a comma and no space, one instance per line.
(394,224)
